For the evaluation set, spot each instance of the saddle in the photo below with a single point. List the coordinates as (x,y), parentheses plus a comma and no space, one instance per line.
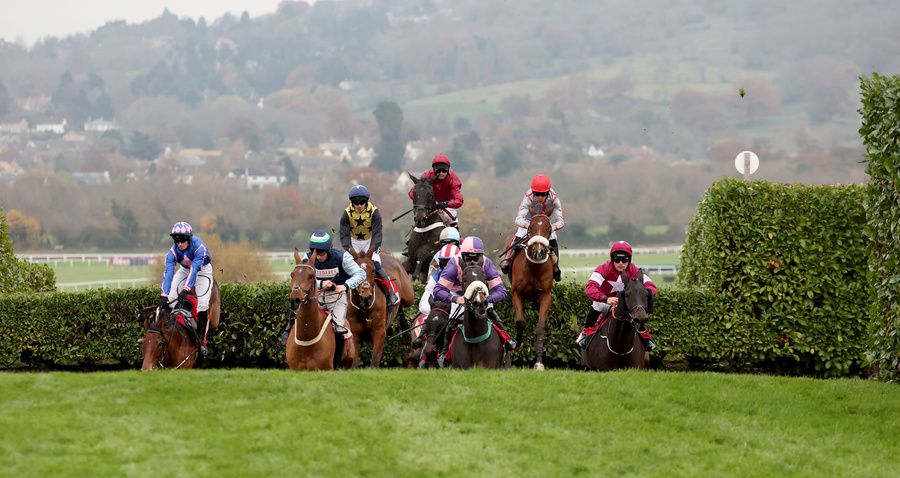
(187,318)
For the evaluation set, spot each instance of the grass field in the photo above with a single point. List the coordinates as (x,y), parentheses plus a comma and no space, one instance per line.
(444,423)
(79,272)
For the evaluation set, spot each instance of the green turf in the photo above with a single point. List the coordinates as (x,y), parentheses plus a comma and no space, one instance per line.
(444,423)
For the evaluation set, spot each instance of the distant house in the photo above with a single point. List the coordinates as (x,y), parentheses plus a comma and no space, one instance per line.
(34,104)
(9,171)
(255,179)
(594,152)
(413,152)
(364,157)
(14,128)
(74,137)
(402,184)
(92,177)
(100,125)
(55,128)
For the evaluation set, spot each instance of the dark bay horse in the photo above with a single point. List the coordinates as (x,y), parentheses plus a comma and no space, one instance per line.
(168,343)
(616,343)
(311,341)
(424,238)
(531,278)
(433,326)
(367,312)
(476,343)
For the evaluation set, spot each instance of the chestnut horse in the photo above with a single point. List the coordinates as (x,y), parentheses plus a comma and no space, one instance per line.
(167,343)
(404,285)
(424,239)
(367,312)
(311,341)
(616,343)
(476,343)
(531,278)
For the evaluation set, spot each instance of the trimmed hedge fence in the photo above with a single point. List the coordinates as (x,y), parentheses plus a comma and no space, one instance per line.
(100,328)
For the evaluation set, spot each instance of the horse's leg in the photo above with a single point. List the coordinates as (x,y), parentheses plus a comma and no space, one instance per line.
(540,329)
(519,307)
(378,337)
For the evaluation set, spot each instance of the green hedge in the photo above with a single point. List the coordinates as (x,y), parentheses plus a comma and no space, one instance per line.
(787,263)
(880,132)
(100,328)
(17,275)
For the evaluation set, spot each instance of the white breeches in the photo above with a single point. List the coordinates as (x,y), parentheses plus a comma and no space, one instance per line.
(336,305)
(362,246)
(202,286)
(600,306)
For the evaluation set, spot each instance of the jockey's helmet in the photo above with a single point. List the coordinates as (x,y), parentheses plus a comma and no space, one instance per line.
(181,231)
(620,247)
(449,233)
(448,251)
(472,244)
(320,240)
(440,159)
(540,184)
(358,191)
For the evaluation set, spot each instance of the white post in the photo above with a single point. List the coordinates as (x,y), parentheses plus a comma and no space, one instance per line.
(746,165)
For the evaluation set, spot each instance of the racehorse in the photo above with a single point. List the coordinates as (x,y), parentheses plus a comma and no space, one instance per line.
(477,342)
(531,279)
(311,341)
(367,312)
(171,339)
(403,283)
(433,327)
(616,343)
(424,238)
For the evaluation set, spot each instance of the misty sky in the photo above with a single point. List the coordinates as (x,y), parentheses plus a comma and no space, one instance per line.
(30,20)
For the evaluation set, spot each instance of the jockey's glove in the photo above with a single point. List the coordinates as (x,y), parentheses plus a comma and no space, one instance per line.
(441,204)
(182,296)
(163,301)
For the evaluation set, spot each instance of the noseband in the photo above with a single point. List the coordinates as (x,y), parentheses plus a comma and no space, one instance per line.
(307,293)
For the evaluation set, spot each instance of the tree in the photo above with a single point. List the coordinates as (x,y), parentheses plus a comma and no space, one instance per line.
(389,156)
(506,162)
(143,147)
(5,100)
(128,228)
(25,231)
(291,174)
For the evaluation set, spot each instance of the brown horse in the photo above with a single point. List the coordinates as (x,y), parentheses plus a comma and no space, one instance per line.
(616,343)
(424,239)
(311,341)
(404,285)
(476,343)
(367,312)
(531,278)
(167,343)
(433,327)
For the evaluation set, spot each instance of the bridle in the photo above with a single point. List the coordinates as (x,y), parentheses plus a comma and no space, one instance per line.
(627,317)
(306,293)
(540,239)
(163,344)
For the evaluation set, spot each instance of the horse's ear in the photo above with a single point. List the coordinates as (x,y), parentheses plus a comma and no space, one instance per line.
(414,179)
(297,258)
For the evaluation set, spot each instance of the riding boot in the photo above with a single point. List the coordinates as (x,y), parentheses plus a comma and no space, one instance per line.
(589,320)
(287,329)
(202,321)
(649,344)
(504,266)
(495,317)
(554,248)
(448,336)
(388,291)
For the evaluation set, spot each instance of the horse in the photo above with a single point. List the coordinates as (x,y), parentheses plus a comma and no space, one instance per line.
(616,343)
(424,238)
(367,312)
(433,326)
(531,278)
(477,342)
(172,343)
(311,342)
(404,285)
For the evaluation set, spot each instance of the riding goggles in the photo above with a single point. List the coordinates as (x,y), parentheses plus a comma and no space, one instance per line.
(358,201)
(441,170)
(541,194)
(179,239)
(318,251)
(621,259)
(469,257)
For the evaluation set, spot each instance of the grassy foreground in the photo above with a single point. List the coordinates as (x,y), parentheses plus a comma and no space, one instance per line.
(444,423)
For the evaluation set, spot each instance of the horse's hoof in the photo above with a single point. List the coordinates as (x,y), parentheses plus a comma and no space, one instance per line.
(539,367)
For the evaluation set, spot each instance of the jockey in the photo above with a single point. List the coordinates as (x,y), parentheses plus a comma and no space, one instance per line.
(449,285)
(449,235)
(539,199)
(361,235)
(195,273)
(443,256)
(604,284)
(336,273)
(447,195)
